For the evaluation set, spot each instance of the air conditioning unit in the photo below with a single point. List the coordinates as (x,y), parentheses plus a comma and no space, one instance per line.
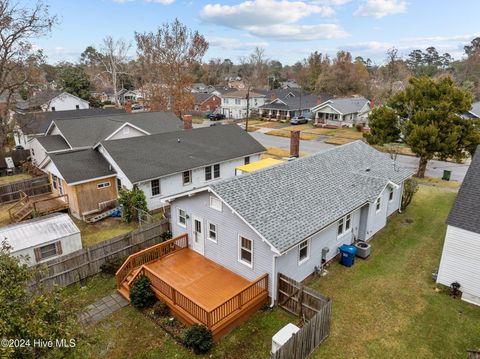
(283,335)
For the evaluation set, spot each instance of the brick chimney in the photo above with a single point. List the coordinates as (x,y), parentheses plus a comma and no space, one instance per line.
(295,143)
(187,122)
(128,107)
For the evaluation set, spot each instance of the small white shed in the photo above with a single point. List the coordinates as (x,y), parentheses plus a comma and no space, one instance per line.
(43,238)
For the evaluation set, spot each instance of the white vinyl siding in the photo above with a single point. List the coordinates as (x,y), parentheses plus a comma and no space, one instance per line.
(245,251)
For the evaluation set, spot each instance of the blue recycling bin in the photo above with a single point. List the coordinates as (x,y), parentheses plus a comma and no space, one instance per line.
(347,255)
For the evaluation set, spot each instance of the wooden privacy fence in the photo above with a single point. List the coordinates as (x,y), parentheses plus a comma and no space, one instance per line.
(86,262)
(473,353)
(314,308)
(10,192)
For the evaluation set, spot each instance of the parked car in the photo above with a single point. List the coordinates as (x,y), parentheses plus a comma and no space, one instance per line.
(298,120)
(215,116)
(137,108)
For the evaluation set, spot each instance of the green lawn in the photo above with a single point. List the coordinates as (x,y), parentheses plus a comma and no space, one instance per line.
(387,306)
(91,289)
(15,178)
(107,228)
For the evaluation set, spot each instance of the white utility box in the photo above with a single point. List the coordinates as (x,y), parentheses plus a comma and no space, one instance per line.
(283,335)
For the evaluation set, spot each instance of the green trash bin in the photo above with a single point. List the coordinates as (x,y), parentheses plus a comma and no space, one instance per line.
(446,175)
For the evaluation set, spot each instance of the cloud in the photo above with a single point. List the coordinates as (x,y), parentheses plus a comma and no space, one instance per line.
(226,43)
(274,19)
(381,8)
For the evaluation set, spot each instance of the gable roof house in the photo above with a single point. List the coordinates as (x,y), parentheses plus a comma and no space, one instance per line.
(283,104)
(342,112)
(52,100)
(460,261)
(205,102)
(170,163)
(33,124)
(270,221)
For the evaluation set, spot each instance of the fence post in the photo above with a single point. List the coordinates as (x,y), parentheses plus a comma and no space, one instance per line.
(89,258)
(300,301)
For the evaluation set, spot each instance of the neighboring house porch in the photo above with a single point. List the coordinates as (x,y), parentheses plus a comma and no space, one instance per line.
(196,289)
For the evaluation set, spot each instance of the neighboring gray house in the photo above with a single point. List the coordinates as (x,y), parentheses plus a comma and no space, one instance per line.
(65,134)
(43,238)
(474,112)
(282,218)
(170,163)
(34,124)
(460,260)
(342,112)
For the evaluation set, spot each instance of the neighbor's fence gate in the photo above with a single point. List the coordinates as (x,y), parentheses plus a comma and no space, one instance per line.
(316,311)
(10,192)
(86,262)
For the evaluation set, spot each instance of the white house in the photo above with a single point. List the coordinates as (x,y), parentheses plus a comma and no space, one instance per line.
(234,103)
(342,112)
(291,218)
(170,163)
(460,260)
(40,239)
(52,100)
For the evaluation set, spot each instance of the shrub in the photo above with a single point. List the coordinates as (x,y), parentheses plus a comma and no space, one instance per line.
(131,202)
(410,187)
(166,235)
(359,127)
(141,294)
(111,265)
(199,338)
(160,309)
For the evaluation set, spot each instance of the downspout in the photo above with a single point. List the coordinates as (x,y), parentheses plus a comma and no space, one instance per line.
(274,280)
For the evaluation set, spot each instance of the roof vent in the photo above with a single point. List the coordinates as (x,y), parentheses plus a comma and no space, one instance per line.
(178,140)
(367,169)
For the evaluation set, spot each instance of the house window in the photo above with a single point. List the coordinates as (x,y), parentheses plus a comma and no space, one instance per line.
(77,107)
(215,203)
(48,251)
(378,205)
(119,184)
(155,184)
(212,173)
(303,251)
(237,101)
(32,151)
(246,160)
(390,195)
(245,251)
(54,181)
(348,220)
(340,227)
(103,185)
(182,218)
(187,177)
(53,108)
(212,232)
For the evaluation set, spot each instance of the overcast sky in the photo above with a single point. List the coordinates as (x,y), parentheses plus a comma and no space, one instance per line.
(288,29)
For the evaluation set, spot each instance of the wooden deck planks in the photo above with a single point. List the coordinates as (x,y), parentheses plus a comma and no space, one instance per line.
(204,281)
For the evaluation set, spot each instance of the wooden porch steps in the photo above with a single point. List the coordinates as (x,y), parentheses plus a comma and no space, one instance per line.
(22,213)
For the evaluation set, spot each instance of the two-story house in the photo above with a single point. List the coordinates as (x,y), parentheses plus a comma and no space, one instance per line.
(234,103)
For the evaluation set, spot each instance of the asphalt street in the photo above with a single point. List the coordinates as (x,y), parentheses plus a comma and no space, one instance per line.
(434,168)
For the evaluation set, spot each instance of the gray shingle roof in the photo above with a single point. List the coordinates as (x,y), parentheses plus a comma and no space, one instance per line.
(38,122)
(465,212)
(148,157)
(53,143)
(292,201)
(348,105)
(90,130)
(293,98)
(81,165)
(201,97)
(476,108)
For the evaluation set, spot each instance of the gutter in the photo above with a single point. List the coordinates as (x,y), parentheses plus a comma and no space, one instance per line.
(274,280)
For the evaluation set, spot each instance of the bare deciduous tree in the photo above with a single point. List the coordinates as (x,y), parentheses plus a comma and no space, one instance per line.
(113,58)
(166,60)
(19,61)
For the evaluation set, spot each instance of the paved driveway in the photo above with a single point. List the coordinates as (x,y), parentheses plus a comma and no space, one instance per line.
(434,168)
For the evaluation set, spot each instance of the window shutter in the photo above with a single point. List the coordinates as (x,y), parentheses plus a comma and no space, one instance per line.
(38,254)
(58,247)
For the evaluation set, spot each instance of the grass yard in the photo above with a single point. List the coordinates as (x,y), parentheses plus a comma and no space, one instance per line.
(387,306)
(91,289)
(4,216)
(438,182)
(130,334)
(279,153)
(107,228)
(198,120)
(15,178)
(338,141)
(288,133)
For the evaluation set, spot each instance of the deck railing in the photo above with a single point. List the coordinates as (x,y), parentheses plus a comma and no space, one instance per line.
(150,254)
(20,205)
(208,317)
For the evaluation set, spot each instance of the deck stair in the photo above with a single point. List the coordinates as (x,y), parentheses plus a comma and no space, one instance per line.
(22,209)
(100,216)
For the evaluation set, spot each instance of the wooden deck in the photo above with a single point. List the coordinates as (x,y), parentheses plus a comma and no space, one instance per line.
(196,289)
(31,206)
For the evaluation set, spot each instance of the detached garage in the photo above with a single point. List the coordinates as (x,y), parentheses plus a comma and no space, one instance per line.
(43,238)
(461,251)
